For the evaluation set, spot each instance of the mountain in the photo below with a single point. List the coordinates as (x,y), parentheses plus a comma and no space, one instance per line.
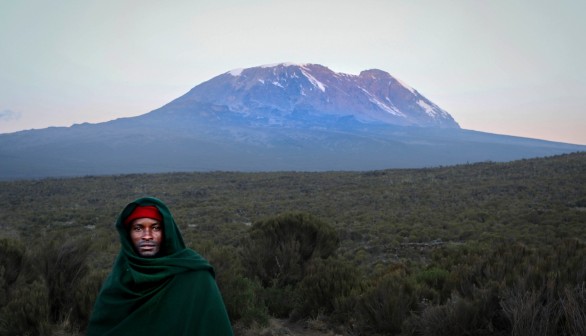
(281,91)
(279,117)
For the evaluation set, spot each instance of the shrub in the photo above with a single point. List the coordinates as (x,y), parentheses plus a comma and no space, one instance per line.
(326,283)
(27,311)
(242,296)
(529,314)
(386,305)
(64,266)
(279,248)
(244,303)
(435,278)
(12,255)
(84,298)
(477,315)
(573,304)
(280,301)
(545,312)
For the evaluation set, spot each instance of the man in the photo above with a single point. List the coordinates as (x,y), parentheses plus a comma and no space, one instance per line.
(157,286)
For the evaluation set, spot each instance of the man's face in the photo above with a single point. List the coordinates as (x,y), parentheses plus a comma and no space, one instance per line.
(146,235)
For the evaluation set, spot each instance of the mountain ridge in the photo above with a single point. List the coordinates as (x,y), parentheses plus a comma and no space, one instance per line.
(372,96)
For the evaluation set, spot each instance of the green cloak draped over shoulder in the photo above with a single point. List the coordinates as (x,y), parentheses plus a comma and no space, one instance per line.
(174,293)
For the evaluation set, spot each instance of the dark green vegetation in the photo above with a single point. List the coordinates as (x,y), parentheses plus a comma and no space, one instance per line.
(482,249)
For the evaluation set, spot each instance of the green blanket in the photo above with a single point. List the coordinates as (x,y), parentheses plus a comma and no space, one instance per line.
(172,294)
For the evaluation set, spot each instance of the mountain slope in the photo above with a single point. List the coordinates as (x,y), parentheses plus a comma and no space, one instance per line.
(281,117)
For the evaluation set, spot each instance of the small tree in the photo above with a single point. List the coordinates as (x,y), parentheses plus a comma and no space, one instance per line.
(278,249)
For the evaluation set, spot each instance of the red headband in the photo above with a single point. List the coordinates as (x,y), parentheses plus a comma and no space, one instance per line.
(148,211)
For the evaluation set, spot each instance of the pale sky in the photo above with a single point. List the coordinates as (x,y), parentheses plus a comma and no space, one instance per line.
(514,67)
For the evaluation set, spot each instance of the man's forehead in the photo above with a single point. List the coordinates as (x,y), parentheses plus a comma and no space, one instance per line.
(145,221)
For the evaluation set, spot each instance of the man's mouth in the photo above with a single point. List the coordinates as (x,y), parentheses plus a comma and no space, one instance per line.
(147,246)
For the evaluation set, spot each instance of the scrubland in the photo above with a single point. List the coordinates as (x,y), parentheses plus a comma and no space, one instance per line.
(478,249)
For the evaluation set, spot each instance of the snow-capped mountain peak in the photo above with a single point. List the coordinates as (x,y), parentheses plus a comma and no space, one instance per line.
(287,88)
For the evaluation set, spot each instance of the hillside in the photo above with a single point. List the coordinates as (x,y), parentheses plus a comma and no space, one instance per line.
(391,223)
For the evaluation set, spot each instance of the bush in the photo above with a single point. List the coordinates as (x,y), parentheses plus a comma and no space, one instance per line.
(326,283)
(84,297)
(12,255)
(545,312)
(280,301)
(573,304)
(27,311)
(387,304)
(279,248)
(477,315)
(64,266)
(242,296)
(435,279)
(244,303)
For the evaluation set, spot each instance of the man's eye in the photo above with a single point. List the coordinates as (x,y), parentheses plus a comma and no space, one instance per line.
(157,228)
(137,228)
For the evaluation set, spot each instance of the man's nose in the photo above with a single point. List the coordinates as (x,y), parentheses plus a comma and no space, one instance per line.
(147,234)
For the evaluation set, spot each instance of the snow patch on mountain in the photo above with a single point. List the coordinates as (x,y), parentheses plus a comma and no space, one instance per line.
(412,90)
(389,109)
(427,108)
(285,64)
(236,72)
(313,81)
(431,110)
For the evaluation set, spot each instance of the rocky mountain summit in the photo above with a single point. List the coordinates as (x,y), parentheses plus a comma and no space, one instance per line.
(279,92)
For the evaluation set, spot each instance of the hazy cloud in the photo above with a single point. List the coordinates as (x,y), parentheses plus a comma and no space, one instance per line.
(9,115)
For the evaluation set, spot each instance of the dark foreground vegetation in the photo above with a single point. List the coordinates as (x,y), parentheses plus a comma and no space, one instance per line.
(482,249)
